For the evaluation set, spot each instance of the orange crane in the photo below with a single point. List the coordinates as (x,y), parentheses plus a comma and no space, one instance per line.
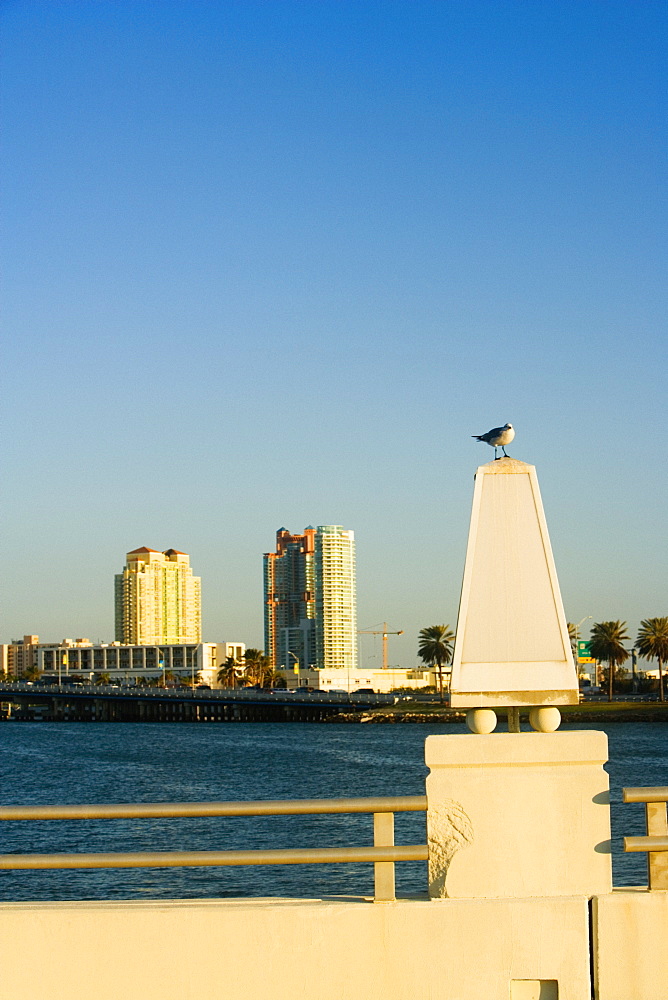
(384,632)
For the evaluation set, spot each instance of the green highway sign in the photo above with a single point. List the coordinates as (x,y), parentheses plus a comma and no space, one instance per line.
(584,653)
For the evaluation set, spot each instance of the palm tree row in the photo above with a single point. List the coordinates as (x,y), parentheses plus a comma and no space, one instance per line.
(607,644)
(436,642)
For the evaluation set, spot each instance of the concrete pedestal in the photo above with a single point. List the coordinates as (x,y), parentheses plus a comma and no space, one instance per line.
(516,815)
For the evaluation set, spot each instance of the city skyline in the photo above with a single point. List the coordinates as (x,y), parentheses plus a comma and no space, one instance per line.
(270,263)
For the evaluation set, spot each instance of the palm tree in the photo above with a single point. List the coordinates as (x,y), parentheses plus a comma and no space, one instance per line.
(606,644)
(273,679)
(228,673)
(573,637)
(435,646)
(257,666)
(652,644)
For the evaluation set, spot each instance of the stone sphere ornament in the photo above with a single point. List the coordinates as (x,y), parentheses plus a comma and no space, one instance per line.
(545,719)
(482,721)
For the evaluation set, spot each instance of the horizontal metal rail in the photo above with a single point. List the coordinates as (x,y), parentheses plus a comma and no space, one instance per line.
(655,844)
(640,844)
(382,855)
(657,794)
(175,810)
(195,859)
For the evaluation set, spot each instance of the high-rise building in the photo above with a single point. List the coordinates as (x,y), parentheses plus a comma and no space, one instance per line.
(158,600)
(289,600)
(310,599)
(335,598)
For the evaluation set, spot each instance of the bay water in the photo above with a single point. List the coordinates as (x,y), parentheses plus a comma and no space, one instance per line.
(60,763)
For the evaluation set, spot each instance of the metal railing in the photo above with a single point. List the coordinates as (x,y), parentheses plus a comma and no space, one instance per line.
(656,841)
(383,854)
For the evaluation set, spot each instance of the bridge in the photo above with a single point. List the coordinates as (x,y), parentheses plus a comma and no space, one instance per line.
(110,703)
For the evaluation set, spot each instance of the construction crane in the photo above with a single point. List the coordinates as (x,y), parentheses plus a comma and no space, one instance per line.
(384,633)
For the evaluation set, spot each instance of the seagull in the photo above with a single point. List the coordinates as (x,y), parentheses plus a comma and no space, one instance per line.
(497,438)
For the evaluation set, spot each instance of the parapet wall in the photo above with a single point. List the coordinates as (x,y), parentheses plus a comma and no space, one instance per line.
(283,950)
(512,949)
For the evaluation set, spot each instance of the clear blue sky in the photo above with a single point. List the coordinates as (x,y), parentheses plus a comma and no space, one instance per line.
(273,263)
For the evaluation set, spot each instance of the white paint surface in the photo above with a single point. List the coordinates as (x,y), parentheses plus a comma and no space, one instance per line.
(512,644)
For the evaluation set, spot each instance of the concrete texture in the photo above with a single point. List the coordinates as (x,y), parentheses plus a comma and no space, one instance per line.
(295,950)
(516,815)
(630,928)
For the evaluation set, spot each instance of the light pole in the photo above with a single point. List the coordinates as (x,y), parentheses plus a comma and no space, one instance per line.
(193,654)
(296,666)
(585,619)
(634,679)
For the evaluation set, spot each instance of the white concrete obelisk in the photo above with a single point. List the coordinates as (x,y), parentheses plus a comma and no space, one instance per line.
(512,646)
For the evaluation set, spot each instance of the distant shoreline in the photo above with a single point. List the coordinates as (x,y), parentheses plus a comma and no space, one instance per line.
(619,711)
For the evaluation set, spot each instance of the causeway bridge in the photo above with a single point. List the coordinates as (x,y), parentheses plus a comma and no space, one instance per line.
(110,703)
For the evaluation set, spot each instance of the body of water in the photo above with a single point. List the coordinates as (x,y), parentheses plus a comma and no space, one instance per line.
(51,763)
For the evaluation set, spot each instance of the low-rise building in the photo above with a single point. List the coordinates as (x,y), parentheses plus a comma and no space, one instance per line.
(197,662)
(381,681)
(19,657)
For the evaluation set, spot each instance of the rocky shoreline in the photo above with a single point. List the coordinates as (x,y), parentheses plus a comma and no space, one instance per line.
(572,715)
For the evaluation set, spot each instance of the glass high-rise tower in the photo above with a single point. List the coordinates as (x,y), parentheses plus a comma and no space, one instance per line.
(310,599)
(158,600)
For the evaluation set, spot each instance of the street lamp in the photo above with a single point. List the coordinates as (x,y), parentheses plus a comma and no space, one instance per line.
(585,619)
(296,666)
(193,655)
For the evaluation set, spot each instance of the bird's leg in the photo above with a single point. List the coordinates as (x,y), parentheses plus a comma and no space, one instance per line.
(495,453)
(504,451)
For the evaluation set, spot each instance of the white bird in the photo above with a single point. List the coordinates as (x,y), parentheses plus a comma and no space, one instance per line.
(497,438)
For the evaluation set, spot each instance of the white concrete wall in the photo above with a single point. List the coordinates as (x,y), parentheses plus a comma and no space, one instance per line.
(382,681)
(512,949)
(296,950)
(630,945)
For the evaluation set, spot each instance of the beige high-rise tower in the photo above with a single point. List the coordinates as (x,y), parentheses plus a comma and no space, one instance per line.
(158,600)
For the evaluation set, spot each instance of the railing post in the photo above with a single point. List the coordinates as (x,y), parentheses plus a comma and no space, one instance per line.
(383,871)
(657,861)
